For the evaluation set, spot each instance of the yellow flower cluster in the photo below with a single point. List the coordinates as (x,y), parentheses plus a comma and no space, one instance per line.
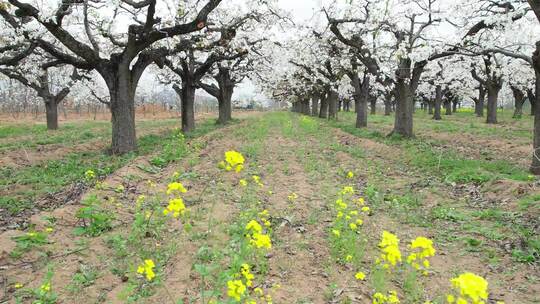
(347,190)
(236,289)
(175,188)
(257,180)
(422,249)
(350,174)
(45,288)
(176,204)
(233,161)
(471,288)
(89,175)
(292,197)
(147,269)
(390,253)
(390,298)
(256,235)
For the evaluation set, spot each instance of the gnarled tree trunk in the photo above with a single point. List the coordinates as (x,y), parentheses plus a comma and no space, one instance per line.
(519,100)
(493,96)
(479,103)
(187,107)
(403,122)
(51,113)
(361,95)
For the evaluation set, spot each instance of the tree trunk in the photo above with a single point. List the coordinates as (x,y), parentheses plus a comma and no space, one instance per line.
(388,105)
(323,113)
(225,106)
(51,112)
(454,106)
(124,138)
(448,107)
(306,110)
(403,122)
(315,105)
(223,93)
(340,105)
(361,111)
(361,95)
(479,105)
(493,95)
(373,105)
(535,166)
(430,107)
(188,107)
(532,100)
(519,99)
(332,104)
(438,101)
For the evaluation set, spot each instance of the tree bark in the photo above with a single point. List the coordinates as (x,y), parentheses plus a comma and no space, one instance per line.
(225,106)
(51,113)
(519,100)
(493,96)
(448,107)
(188,107)
(479,104)
(532,100)
(305,106)
(454,106)
(403,121)
(332,104)
(361,95)
(373,105)
(323,113)
(438,101)
(535,166)
(124,138)
(347,105)
(315,104)
(387,104)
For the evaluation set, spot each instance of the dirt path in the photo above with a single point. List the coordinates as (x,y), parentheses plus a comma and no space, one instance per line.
(291,154)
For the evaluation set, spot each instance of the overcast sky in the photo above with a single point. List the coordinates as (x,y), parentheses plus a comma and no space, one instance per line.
(300,10)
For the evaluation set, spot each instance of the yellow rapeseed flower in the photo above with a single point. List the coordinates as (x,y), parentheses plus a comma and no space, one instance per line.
(257,180)
(470,287)
(147,269)
(347,190)
(236,289)
(260,240)
(389,246)
(243,182)
(175,188)
(234,160)
(350,174)
(46,287)
(254,226)
(360,276)
(176,206)
(90,175)
(292,197)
